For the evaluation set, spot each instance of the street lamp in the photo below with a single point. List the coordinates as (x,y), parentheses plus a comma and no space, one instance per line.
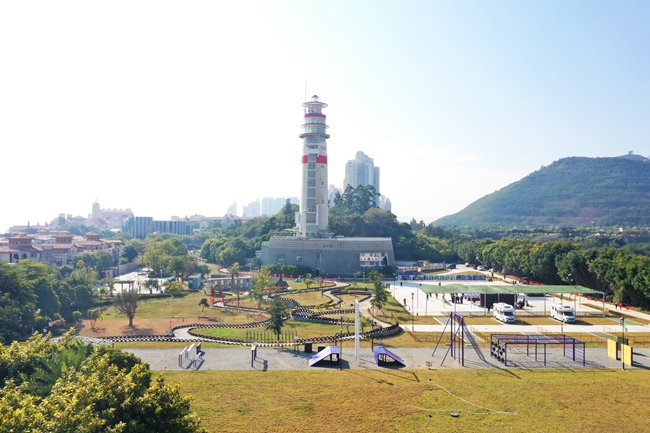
(412,313)
(171,317)
(341,348)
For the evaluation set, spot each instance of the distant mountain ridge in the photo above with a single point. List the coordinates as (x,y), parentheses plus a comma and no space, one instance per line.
(570,191)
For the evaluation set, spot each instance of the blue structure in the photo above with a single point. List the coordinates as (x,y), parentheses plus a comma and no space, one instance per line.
(457,332)
(499,345)
(328,351)
(381,353)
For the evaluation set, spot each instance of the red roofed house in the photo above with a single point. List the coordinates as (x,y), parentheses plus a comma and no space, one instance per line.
(19,247)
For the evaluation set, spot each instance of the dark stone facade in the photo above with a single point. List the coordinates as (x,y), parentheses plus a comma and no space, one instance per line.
(331,257)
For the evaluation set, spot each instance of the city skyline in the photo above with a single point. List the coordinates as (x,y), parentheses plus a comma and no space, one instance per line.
(184,109)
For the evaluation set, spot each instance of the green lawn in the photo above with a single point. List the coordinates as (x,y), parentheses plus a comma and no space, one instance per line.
(303,330)
(389,400)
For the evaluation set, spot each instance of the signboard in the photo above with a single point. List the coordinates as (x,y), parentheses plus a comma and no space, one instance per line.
(611,349)
(626,353)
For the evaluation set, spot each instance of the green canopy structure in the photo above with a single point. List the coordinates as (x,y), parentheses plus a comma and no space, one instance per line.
(503,288)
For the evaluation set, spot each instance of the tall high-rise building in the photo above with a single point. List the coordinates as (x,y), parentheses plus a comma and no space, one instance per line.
(252,209)
(311,221)
(331,194)
(232,210)
(361,171)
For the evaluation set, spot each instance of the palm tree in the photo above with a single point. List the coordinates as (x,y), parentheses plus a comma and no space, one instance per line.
(380,294)
(234,270)
(110,284)
(203,303)
(94,315)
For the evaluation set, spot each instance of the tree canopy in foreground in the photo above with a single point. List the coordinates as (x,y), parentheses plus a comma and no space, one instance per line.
(70,386)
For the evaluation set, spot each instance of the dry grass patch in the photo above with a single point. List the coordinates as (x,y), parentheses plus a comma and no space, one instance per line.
(115,323)
(481,321)
(536,321)
(308,298)
(595,321)
(405,401)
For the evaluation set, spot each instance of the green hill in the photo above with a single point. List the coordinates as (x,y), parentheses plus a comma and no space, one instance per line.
(571,191)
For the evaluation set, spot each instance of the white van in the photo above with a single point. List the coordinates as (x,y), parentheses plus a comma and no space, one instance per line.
(504,312)
(563,313)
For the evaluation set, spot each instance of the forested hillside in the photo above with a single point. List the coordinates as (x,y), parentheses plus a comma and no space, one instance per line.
(571,191)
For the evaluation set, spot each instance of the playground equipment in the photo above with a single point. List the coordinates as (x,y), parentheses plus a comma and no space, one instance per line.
(499,345)
(457,333)
(328,351)
(381,353)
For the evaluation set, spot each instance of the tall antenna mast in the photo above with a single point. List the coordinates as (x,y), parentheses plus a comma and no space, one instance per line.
(305,81)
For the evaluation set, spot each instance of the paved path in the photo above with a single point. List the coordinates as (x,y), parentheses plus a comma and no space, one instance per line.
(415,358)
(533,328)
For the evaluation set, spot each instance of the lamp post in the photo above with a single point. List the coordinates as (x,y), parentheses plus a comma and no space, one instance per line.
(412,313)
(171,317)
(622,342)
(341,347)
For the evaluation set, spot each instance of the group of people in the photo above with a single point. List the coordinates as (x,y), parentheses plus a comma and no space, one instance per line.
(521,303)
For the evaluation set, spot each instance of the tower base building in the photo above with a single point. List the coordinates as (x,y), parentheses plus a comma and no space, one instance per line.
(333,257)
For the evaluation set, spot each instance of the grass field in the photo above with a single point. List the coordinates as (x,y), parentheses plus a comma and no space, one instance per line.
(406,401)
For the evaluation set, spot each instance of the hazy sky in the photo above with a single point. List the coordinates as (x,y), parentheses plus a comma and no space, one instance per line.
(177,108)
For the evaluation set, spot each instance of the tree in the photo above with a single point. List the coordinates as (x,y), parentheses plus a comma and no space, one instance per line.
(379,293)
(204,270)
(261,282)
(130,253)
(70,386)
(17,304)
(364,321)
(234,271)
(110,284)
(126,302)
(150,284)
(278,313)
(308,282)
(94,314)
(203,303)
(103,260)
(177,266)
(172,286)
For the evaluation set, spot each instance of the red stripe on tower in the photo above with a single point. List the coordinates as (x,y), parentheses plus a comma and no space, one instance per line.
(305,159)
(321,159)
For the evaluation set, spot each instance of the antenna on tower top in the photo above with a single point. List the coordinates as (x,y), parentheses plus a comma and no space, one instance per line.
(305,82)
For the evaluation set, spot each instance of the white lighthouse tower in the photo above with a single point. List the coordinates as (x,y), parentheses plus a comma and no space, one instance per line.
(311,221)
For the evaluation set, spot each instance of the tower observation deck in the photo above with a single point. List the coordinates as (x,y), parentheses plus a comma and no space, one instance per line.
(311,221)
